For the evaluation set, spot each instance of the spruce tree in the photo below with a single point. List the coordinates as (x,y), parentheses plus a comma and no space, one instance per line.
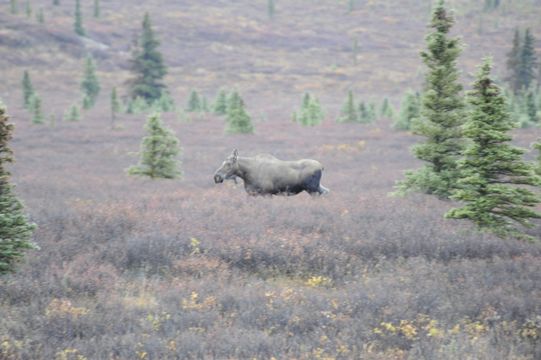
(442,114)
(531,107)
(115,106)
(310,113)
(159,152)
(513,63)
(349,110)
(410,109)
(13,7)
(28,89)
(40,17)
(78,22)
(238,120)
(90,84)
(56,2)
(271,8)
(147,66)
(194,103)
(28,9)
(355,50)
(36,109)
(96,8)
(73,113)
(364,116)
(220,105)
(492,173)
(527,61)
(15,228)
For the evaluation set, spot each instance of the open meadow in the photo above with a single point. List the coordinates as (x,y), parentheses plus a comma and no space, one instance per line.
(131,268)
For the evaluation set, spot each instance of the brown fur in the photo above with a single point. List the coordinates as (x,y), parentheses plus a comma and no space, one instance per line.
(266,175)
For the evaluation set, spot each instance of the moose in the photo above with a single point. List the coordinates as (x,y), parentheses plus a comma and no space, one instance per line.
(266,175)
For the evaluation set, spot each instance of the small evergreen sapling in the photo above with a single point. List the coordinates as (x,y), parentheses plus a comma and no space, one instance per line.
(28,89)
(159,154)
(28,9)
(115,107)
(349,110)
(238,120)
(220,105)
(97,9)
(410,110)
(194,102)
(36,109)
(78,21)
(15,228)
(493,176)
(13,7)
(90,84)
(73,113)
(310,113)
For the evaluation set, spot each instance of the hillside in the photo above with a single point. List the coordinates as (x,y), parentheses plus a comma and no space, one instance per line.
(130,268)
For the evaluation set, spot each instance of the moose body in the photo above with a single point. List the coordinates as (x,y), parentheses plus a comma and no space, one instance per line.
(267,175)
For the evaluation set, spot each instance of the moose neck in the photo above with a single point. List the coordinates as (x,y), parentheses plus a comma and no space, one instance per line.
(243,167)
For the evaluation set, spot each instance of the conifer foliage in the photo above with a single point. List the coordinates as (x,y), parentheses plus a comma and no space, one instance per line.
(147,66)
(410,110)
(159,154)
(90,84)
(442,113)
(491,168)
(310,113)
(78,22)
(28,90)
(349,110)
(220,104)
(238,120)
(15,228)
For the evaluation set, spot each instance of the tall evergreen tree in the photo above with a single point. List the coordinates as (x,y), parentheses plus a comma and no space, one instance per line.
(159,152)
(349,110)
(238,120)
(513,63)
(220,105)
(147,66)
(492,168)
(115,106)
(90,84)
(15,228)
(28,89)
(78,22)
(442,113)
(528,61)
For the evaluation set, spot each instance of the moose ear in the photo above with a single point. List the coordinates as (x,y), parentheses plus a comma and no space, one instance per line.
(235,154)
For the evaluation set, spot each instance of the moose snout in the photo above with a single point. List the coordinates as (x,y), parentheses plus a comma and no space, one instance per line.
(218,178)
